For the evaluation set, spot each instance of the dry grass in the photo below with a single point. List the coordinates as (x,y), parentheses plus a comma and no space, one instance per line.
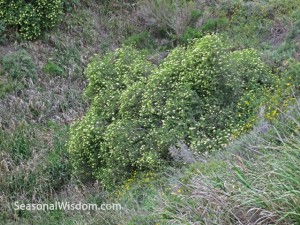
(168,15)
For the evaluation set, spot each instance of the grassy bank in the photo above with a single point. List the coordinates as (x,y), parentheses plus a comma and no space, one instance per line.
(253,179)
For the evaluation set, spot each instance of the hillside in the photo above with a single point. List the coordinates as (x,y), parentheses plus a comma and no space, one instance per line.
(182,112)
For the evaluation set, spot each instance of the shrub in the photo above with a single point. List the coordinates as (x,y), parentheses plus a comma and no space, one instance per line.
(215,25)
(190,34)
(31,18)
(53,69)
(143,40)
(3,37)
(109,76)
(69,5)
(138,111)
(19,64)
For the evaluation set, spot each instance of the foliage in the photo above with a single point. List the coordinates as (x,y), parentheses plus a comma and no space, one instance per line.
(268,26)
(3,37)
(138,110)
(31,18)
(108,77)
(143,40)
(19,64)
(275,100)
(190,34)
(290,47)
(255,179)
(69,5)
(53,69)
(215,25)
(34,166)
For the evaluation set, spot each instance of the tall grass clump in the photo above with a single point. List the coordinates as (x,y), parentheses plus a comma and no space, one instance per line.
(169,16)
(34,167)
(271,184)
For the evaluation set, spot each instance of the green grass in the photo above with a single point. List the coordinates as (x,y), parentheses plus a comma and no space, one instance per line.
(34,164)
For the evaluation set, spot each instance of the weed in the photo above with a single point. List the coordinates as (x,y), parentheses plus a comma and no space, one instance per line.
(53,69)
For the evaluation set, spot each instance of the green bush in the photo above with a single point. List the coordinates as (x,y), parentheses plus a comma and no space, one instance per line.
(19,64)
(69,5)
(3,37)
(142,40)
(215,25)
(190,34)
(53,69)
(31,18)
(139,110)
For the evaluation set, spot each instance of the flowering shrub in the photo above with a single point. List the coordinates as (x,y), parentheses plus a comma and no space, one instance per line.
(31,18)
(139,110)
(271,101)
